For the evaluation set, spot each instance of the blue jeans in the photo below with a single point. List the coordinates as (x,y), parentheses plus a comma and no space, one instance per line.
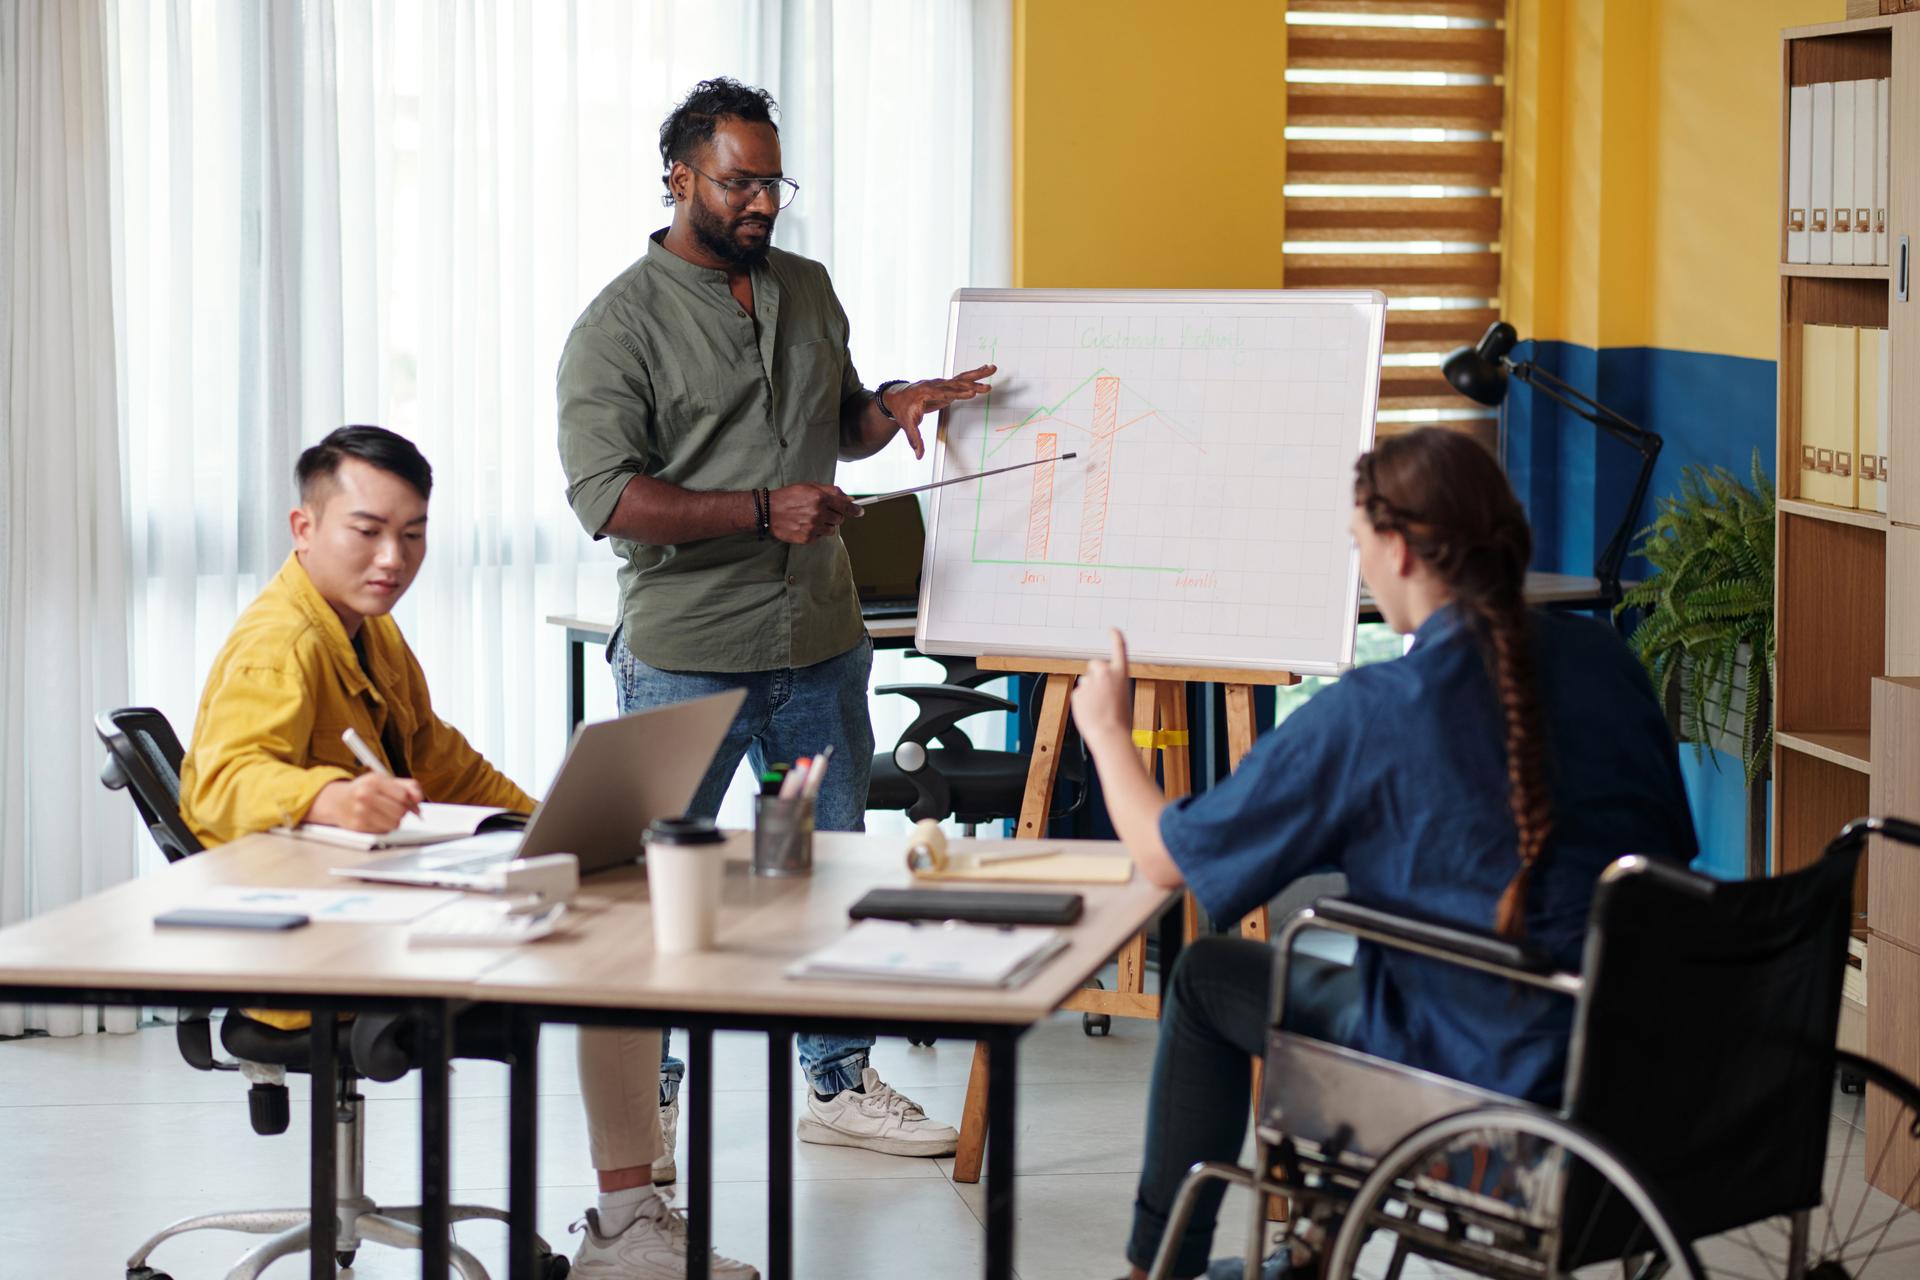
(1213,1025)
(788,713)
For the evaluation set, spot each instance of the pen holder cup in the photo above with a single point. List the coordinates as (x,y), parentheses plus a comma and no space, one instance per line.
(782,836)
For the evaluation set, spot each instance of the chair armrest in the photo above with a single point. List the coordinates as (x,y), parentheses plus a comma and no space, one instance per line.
(942,706)
(1455,940)
(193,1034)
(1446,943)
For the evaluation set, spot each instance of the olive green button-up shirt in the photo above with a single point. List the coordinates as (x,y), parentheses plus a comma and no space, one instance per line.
(666,375)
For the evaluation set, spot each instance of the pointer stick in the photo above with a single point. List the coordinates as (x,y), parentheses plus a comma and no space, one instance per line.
(941,484)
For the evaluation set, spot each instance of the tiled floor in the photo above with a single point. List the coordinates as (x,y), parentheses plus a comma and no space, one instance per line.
(104,1139)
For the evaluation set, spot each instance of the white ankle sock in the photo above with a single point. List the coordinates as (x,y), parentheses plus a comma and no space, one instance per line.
(618,1209)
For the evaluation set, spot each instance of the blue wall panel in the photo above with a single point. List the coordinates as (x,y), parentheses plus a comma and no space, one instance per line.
(1709,410)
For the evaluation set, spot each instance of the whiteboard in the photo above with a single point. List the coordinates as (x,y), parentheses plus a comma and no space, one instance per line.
(1206,512)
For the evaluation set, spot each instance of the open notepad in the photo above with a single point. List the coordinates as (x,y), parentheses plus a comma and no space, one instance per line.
(433,824)
(965,955)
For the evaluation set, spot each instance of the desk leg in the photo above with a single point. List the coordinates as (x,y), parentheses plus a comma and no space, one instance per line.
(323,1150)
(780,1155)
(1003,1079)
(696,1101)
(435,1123)
(523,1145)
(576,684)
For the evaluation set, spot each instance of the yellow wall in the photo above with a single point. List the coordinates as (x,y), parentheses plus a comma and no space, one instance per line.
(1147,147)
(1642,167)
(1644,170)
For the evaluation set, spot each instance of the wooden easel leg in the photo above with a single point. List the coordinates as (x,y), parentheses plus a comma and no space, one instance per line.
(970,1152)
(1049,735)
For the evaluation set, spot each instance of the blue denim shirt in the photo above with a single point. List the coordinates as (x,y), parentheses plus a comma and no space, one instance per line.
(1397,777)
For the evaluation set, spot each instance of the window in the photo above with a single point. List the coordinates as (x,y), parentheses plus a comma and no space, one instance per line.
(1395,114)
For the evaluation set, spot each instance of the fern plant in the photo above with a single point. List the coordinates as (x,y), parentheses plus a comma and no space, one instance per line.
(1710,595)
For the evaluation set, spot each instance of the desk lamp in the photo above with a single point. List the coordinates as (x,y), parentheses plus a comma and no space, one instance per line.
(1481,372)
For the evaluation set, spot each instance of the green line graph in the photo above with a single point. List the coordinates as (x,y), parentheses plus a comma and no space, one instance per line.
(1098,470)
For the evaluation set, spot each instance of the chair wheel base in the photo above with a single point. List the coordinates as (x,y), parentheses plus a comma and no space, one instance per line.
(554,1267)
(146,1273)
(920,1044)
(344,1258)
(1096,1024)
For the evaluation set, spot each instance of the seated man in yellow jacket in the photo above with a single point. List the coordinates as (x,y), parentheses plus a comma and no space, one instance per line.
(316,654)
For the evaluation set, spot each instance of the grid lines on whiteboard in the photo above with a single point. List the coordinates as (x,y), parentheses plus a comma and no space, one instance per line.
(1206,495)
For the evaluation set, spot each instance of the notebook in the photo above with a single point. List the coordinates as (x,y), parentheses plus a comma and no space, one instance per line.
(434,824)
(947,954)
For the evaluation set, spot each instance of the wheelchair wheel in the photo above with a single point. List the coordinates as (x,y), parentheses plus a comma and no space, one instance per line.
(1506,1191)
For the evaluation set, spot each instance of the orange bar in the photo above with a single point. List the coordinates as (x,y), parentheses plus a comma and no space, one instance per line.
(1106,419)
(1046,444)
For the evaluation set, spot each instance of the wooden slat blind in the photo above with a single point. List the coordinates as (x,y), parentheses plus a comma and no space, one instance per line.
(1395,114)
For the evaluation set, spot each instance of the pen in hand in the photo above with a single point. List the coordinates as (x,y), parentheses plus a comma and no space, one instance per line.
(364,754)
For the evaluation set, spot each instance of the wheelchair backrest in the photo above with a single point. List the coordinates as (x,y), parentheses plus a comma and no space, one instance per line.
(1703,1046)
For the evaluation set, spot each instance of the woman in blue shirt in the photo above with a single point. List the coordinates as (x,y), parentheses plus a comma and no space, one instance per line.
(1485,779)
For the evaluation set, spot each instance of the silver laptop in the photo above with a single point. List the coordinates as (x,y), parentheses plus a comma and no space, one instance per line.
(618,776)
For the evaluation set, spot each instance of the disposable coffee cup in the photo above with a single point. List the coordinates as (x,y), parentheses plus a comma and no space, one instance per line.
(686,865)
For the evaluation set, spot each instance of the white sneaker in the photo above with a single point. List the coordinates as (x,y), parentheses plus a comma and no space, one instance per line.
(879,1119)
(665,1171)
(653,1247)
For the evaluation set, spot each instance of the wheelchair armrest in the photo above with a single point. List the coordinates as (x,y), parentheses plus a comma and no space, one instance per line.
(1454,940)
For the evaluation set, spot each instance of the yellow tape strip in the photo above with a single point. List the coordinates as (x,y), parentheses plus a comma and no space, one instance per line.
(1160,739)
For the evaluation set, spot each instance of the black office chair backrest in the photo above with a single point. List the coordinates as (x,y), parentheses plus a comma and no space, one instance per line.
(1703,1047)
(143,759)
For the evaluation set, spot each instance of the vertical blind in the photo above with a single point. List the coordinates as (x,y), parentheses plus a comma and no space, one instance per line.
(1395,118)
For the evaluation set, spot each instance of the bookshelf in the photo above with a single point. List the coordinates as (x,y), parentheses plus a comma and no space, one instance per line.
(1847,616)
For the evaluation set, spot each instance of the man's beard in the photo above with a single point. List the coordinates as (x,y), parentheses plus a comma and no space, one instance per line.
(715,235)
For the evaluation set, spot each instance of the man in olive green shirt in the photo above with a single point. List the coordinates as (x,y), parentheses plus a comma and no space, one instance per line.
(705,397)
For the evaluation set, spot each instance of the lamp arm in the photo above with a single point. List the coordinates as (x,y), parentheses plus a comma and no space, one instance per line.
(1644,442)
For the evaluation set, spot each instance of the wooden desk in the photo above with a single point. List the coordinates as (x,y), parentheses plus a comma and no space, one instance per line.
(585,633)
(105,950)
(601,969)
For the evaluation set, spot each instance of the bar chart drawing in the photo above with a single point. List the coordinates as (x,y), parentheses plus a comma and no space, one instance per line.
(1204,508)
(1046,445)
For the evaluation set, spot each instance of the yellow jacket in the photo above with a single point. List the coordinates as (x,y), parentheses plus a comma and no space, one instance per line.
(266,738)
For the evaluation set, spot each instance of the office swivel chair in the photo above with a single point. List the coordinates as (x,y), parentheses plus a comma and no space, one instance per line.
(935,771)
(143,759)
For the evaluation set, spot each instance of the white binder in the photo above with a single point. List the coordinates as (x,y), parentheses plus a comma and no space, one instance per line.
(1841,219)
(1799,169)
(1820,181)
(1882,110)
(1865,201)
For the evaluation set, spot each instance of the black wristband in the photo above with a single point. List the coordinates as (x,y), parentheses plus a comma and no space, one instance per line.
(880,397)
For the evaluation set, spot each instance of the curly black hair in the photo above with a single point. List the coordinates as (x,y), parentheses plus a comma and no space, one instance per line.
(691,124)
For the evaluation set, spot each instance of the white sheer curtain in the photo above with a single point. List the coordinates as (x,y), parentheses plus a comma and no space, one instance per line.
(393,212)
(63,615)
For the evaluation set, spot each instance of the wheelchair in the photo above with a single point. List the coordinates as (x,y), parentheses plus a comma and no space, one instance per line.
(1701,1136)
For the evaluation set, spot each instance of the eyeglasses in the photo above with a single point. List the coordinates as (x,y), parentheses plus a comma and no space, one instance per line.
(741,192)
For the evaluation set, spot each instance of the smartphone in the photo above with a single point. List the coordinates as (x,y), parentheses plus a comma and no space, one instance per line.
(204,918)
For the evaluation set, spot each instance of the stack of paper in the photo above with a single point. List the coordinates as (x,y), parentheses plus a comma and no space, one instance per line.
(952,953)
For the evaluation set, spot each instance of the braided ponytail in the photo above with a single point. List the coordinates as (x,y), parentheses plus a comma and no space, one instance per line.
(1446,496)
